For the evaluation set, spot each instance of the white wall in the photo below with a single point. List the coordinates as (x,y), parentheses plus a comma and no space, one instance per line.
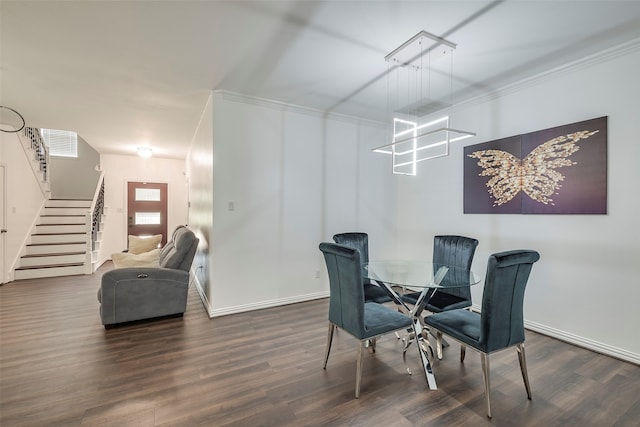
(200,176)
(64,173)
(294,177)
(586,286)
(118,170)
(24,197)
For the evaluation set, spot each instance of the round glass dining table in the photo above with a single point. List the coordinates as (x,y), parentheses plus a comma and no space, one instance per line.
(426,277)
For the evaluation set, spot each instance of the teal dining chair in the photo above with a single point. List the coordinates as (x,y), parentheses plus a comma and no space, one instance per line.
(360,241)
(452,251)
(348,310)
(500,324)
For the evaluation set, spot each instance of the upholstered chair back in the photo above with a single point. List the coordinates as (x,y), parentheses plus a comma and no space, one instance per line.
(455,251)
(179,252)
(359,241)
(501,320)
(346,302)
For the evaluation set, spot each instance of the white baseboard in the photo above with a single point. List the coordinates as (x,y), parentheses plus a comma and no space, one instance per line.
(203,296)
(211,312)
(98,264)
(267,304)
(587,343)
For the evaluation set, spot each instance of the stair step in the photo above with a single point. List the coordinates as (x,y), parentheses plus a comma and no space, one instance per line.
(60,229)
(65,211)
(63,219)
(73,233)
(58,243)
(52,271)
(31,267)
(50,238)
(68,203)
(52,259)
(53,248)
(53,254)
(46,225)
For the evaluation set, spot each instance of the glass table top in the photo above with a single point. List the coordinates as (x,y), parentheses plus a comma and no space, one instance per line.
(419,274)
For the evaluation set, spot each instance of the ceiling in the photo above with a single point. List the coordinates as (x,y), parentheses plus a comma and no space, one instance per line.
(128,73)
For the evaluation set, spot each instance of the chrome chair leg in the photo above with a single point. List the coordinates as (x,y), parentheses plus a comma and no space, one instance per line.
(523,368)
(439,344)
(332,327)
(463,351)
(484,358)
(359,367)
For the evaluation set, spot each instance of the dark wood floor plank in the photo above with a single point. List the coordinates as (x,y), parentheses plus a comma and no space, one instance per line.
(59,366)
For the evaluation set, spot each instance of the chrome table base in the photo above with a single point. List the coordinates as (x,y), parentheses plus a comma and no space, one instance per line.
(418,332)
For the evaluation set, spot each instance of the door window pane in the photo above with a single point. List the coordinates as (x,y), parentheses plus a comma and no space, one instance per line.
(147,194)
(147,218)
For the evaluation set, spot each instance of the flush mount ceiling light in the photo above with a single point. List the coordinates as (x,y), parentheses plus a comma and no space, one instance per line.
(419,84)
(145,152)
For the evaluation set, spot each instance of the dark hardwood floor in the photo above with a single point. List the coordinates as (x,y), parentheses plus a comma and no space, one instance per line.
(60,367)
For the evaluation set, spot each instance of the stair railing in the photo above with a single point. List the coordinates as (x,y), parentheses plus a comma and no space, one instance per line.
(94,217)
(38,146)
(38,155)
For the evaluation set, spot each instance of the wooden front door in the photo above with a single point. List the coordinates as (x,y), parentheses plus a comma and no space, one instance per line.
(147,209)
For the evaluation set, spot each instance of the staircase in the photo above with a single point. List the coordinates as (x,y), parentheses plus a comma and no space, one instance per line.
(58,247)
(66,238)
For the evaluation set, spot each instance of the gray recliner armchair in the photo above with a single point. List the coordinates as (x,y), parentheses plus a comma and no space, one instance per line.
(136,293)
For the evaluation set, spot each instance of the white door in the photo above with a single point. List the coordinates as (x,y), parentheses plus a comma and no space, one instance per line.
(3,222)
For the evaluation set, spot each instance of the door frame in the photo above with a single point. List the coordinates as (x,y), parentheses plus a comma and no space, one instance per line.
(125,209)
(3,222)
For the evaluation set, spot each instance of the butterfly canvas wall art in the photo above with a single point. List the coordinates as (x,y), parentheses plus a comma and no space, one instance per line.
(561,170)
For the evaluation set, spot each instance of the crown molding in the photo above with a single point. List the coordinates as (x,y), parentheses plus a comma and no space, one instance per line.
(570,67)
(294,108)
(586,62)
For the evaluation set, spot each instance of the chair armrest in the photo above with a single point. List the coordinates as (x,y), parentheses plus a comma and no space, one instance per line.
(151,273)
